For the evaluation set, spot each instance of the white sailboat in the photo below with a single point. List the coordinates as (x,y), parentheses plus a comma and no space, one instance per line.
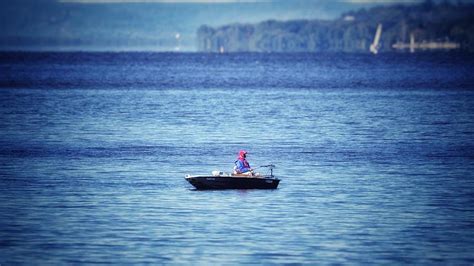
(375,46)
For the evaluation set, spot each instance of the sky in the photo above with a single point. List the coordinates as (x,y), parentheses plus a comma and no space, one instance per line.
(146,25)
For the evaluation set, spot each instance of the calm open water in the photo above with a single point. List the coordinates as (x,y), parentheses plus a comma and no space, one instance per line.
(375,153)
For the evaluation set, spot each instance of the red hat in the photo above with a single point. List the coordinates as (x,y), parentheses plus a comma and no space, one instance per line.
(242,153)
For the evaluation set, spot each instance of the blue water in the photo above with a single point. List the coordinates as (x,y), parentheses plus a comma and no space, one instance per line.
(375,154)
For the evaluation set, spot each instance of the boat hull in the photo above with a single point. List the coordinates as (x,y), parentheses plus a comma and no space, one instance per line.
(229,182)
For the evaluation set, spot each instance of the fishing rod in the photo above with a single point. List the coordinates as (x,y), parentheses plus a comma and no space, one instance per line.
(271,166)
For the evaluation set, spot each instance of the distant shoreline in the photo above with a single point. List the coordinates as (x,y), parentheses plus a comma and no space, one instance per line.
(425,26)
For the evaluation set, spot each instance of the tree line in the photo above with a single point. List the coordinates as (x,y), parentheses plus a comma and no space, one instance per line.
(352,32)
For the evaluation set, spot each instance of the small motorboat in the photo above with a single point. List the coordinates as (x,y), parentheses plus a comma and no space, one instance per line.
(221,180)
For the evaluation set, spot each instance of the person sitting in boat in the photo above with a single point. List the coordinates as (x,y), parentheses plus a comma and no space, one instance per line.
(241,165)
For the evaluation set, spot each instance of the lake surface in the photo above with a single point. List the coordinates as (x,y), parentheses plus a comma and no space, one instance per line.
(375,156)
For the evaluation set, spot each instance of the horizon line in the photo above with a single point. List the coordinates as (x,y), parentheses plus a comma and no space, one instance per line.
(222,1)
(160,1)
